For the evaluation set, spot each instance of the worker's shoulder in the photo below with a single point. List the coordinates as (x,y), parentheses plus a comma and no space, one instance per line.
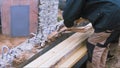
(116,2)
(113,2)
(103,1)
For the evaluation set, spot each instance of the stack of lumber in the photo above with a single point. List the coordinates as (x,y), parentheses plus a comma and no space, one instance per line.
(65,54)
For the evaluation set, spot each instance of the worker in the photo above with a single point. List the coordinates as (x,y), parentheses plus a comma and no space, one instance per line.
(105,18)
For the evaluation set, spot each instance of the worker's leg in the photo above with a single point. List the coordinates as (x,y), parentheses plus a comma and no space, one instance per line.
(99,57)
(97,52)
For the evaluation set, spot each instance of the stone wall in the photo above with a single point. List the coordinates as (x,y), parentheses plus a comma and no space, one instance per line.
(48,11)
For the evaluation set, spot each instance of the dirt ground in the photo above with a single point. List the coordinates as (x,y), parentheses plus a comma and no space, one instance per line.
(114,62)
(10,42)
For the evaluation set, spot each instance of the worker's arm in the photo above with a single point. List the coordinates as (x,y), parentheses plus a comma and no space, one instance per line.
(72,11)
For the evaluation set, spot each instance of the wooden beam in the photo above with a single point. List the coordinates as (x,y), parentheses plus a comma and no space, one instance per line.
(53,56)
(71,60)
(45,49)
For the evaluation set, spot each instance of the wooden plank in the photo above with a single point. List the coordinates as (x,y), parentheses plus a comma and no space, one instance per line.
(54,55)
(71,60)
(47,48)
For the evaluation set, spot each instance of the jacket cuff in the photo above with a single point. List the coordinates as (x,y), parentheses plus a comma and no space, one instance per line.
(69,24)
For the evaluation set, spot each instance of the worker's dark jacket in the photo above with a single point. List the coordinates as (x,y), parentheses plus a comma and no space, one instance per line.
(103,14)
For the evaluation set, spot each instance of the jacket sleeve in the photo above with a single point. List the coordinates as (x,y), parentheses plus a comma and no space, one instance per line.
(72,11)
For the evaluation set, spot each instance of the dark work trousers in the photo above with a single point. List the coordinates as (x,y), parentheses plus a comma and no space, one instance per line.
(98,47)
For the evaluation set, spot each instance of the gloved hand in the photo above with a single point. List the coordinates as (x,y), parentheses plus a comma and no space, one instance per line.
(64,29)
(61,28)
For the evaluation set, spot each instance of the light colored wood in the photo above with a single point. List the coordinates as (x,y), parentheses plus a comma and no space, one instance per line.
(69,61)
(53,56)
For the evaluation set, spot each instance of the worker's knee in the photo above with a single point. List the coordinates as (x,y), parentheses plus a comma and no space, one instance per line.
(94,50)
(98,38)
